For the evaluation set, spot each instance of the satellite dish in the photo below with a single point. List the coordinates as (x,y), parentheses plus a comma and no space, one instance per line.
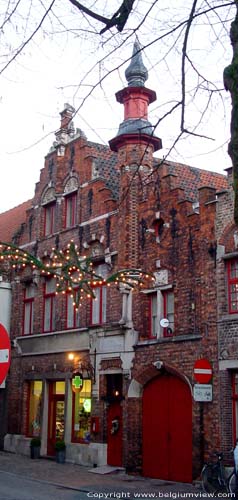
(164,322)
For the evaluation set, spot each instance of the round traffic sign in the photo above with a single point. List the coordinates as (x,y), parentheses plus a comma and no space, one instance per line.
(202,371)
(5,349)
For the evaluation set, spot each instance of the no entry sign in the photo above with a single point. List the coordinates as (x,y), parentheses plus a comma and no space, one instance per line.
(5,348)
(202,371)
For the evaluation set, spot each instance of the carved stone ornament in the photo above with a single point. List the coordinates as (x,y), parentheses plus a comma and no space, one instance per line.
(161,277)
(48,196)
(71,185)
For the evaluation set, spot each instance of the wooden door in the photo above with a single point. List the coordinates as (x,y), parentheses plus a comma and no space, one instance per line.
(167,429)
(114,435)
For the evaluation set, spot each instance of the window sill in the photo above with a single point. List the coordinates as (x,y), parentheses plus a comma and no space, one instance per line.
(164,340)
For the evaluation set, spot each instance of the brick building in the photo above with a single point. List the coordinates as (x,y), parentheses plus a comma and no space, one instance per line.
(125,209)
(227,306)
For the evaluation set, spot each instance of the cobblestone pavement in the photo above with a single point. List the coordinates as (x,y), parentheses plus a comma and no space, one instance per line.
(80,478)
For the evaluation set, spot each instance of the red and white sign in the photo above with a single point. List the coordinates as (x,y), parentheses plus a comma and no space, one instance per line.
(5,349)
(202,371)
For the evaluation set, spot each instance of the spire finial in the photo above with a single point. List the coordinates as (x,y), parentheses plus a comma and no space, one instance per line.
(136,73)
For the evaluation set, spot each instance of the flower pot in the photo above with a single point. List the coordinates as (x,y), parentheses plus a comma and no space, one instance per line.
(35,451)
(60,456)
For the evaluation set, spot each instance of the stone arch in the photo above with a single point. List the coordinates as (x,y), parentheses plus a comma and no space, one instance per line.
(152,371)
(48,195)
(71,185)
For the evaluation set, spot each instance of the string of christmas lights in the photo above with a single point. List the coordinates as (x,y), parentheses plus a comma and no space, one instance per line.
(73,272)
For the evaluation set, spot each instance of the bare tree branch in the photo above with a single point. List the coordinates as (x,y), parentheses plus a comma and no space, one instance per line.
(28,40)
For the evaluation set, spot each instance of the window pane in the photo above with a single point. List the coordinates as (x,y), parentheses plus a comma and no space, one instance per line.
(70,312)
(104,303)
(82,413)
(154,310)
(30,291)
(47,315)
(234,268)
(96,307)
(59,387)
(50,286)
(27,318)
(35,399)
(71,210)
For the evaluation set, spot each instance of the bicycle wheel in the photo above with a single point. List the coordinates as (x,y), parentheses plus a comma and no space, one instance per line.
(211,479)
(232,484)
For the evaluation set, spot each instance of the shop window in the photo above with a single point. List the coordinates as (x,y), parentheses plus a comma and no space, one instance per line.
(72,314)
(82,413)
(70,209)
(232,273)
(49,213)
(49,305)
(235,405)
(28,313)
(161,306)
(99,303)
(34,408)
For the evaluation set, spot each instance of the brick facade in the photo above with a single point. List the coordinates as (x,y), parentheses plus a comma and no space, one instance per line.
(132,211)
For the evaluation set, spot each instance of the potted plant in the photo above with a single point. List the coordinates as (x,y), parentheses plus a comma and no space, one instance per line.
(60,448)
(35,445)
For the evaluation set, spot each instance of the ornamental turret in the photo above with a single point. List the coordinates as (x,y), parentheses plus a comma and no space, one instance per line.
(136,99)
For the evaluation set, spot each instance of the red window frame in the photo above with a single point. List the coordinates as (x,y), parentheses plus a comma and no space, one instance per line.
(235,406)
(28,301)
(70,209)
(75,314)
(49,218)
(166,331)
(232,282)
(49,297)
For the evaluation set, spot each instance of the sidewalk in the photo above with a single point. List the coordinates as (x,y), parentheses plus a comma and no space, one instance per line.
(80,478)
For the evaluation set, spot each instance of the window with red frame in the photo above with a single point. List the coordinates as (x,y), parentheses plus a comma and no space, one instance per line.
(49,305)
(49,212)
(161,306)
(28,313)
(81,414)
(235,405)
(99,303)
(232,271)
(70,209)
(72,314)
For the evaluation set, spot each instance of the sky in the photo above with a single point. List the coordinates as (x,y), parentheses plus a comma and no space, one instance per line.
(61,66)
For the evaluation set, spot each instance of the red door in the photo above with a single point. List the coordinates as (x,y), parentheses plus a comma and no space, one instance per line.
(167,429)
(114,435)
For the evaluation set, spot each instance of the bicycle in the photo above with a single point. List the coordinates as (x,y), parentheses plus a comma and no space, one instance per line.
(214,479)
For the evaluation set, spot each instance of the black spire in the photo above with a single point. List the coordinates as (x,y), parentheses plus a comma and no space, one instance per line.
(136,73)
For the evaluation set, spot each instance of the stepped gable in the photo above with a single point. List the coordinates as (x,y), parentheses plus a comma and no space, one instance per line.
(11,220)
(192,178)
